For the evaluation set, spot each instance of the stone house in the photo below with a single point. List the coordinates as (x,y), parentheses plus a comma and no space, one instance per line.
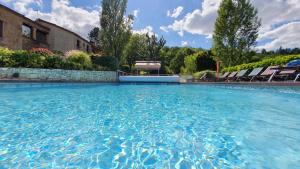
(63,40)
(20,32)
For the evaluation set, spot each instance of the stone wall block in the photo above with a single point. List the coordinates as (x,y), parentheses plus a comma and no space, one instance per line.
(59,75)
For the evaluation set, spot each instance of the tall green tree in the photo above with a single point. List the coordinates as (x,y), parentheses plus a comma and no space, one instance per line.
(94,37)
(135,49)
(115,27)
(154,45)
(178,60)
(236,31)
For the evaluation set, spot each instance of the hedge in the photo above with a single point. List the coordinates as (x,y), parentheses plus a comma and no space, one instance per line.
(44,58)
(279,60)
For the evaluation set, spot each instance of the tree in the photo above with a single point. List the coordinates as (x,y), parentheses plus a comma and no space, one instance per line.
(154,46)
(236,31)
(94,37)
(135,49)
(197,62)
(115,28)
(178,61)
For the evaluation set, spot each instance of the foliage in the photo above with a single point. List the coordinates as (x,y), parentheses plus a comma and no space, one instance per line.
(166,55)
(236,31)
(209,74)
(71,53)
(53,62)
(74,60)
(22,58)
(108,62)
(281,51)
(41,51)
(135,49)
(279,60)
(190,64)
(125,68)
(198,62)
(94,37)
(78,60)
(5,52)
(58,53)
(115,27)
(205,61)
(5,57)
(154,46)
(177,62)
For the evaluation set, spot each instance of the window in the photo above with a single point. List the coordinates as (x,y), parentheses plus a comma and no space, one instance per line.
(78,44)
(27,31)
(1,29)
(87,48)
(41,36)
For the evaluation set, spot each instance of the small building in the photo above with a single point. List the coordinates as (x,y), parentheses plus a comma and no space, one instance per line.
(61,39)
(20,32)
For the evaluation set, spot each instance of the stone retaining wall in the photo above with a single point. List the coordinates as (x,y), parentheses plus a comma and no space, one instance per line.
(57,75)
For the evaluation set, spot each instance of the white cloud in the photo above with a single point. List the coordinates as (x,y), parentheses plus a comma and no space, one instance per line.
(136,13)
(22,5)
(147,29)
(199,21)
(76,19)
(176,12)
(272,12)
(6,1)
(164,28)
(184,43)
(286,36)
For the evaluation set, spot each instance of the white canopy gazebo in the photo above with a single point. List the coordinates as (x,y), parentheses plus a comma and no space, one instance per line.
(148,65)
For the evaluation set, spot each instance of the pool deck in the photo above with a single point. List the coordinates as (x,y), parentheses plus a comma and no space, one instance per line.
(274,83)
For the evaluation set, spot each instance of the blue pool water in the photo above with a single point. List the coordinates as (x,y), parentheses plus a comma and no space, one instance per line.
(149,126)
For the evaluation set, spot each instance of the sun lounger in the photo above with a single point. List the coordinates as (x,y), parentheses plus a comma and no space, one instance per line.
(287,72)
(269,73)
(297,77)
(232,76)
(255,72)
(224,76)
(241,74)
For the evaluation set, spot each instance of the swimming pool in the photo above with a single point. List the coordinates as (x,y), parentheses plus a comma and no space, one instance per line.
(148,126)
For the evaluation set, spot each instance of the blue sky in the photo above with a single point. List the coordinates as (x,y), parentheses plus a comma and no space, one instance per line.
(181,22)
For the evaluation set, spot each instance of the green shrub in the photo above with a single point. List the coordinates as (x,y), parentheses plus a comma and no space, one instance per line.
(205,62)
(198,62)
(58,53)
(279,60)
(209,74)
(78,60)
(53,62)
(5,57)
(104,61)
(100,68)
(5,51)
(190,64)
(26,59)
(125,68)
